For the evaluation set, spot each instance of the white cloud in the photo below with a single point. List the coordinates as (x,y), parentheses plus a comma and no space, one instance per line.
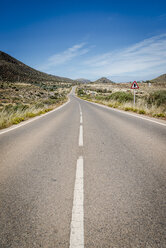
(140,59)
(65,56)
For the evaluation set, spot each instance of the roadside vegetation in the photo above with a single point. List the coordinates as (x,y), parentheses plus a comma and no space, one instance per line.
(21,101)
(149,100)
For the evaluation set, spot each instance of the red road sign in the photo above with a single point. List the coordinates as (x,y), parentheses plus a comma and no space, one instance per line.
(134,85)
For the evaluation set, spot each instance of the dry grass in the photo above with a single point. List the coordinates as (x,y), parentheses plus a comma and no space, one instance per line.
(153,111)
(19,102)
(8,118)
(149,100)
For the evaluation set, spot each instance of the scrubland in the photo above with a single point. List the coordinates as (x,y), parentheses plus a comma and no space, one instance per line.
(21,101)
(150,100)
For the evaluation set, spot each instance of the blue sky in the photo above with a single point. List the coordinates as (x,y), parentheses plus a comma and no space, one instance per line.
(121,39)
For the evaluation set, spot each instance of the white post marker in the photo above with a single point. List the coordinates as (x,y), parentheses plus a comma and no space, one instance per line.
(134,86)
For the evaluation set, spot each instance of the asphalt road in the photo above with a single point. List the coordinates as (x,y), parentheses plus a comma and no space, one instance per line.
(83,176)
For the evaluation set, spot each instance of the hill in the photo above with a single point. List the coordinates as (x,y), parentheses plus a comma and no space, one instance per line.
(13,70)
(83,80)
(161,79)
(103,80)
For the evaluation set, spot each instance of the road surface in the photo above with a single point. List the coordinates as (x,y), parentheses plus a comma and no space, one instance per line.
(83,176)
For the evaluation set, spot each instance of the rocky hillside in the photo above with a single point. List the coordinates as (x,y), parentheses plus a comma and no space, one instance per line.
(12,70)
(83,80)
(161,79)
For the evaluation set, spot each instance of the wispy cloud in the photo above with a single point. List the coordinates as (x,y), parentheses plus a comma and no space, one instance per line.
(139,59)
(65,56)
(143,60)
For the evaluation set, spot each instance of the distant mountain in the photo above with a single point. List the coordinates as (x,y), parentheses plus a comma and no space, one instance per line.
(103,80)
(12,70)
(161,79)
(83,80)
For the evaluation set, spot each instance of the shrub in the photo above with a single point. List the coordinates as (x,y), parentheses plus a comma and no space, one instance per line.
(49,101)
(141,111)
(56,95)
(17,120)
(100,97)
(39,105)
(127,109)
(80,92)
(158,98)
(121,96)
(160,115)
(19,107)
(30,114)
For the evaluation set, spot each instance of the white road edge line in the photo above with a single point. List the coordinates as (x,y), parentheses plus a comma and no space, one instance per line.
(121,111)
(33,119)
(77,222)
(81,136)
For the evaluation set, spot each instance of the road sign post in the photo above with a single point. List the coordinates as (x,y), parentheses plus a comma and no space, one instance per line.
(134,86)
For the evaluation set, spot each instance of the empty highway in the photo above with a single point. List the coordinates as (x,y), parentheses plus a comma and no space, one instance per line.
(83,176)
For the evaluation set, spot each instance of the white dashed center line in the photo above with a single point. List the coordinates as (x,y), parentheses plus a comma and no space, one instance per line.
(80,142)
(81,119)
(81,136)
(77,223)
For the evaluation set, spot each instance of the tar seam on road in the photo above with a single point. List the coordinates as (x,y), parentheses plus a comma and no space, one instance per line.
(80,109)
(123,112)
(33,119)
(77,223)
